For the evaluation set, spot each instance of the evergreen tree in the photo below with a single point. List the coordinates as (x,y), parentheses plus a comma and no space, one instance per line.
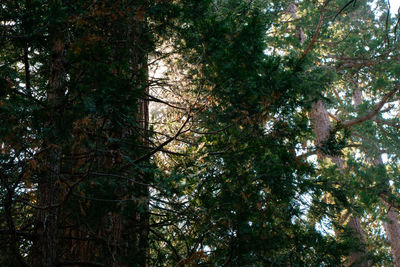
(222,174)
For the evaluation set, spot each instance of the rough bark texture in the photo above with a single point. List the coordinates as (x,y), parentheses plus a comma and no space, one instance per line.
(357,258)
(120,237)
(140,74)
(392,228)
(46,225)
(392,225)
(357,98)
(321,125)
(128,231)
(143,217)
(48,194)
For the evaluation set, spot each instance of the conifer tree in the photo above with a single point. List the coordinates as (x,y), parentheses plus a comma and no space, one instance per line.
(269,122)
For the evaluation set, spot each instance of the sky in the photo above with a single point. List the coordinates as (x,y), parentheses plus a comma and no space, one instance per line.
(394,5)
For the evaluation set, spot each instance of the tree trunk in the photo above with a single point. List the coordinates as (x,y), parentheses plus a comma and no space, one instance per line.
(392,226)
(121,236)
(321,124)
(357,258)
(136,226)
(48,194)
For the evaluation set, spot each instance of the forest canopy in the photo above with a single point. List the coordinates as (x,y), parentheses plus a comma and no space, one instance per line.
(199,133)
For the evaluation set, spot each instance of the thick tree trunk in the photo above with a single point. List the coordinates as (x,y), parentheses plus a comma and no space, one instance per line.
(392,225)
(48,194)
(121,236)
(357,258)
(143,217)
(46,225)
(136,226)
(321,124)
(392,228)
(144,190)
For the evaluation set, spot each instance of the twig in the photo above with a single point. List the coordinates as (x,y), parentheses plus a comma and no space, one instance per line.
(160,147)
(343,8)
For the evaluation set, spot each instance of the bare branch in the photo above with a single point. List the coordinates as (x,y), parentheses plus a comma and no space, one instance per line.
(155,99)
(161,146)
(343,8)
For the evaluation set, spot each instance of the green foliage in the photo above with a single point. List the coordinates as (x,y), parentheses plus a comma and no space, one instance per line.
(336,141)
(234,185)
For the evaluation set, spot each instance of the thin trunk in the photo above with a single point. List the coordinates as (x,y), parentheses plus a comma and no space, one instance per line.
(27,70)
(321,125)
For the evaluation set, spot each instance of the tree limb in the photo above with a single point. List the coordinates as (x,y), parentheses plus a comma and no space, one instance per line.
(373,112)
(314,38)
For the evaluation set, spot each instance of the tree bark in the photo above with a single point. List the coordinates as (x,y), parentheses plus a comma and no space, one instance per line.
(392,225)
(392,229)
(321,125)
(48,194)
(140,215)
(121,236)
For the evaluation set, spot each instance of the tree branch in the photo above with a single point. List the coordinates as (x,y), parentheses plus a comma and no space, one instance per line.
(314,38)
(161,146)
(343,8)
(373,112)
(155,99)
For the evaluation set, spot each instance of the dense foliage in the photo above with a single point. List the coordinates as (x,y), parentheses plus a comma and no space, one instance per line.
(211,133)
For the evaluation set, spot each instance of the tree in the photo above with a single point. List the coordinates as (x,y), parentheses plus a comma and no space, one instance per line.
(82,135)
(241,203)
(364,45)
(222,175)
